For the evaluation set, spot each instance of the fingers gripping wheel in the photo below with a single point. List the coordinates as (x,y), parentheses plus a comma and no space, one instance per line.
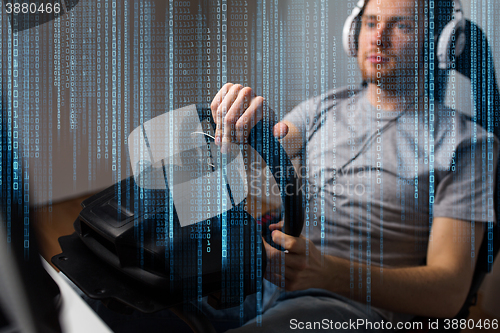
(265,143)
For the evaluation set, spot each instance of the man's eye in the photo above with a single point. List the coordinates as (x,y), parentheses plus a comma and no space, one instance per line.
(370,24)
(405,26)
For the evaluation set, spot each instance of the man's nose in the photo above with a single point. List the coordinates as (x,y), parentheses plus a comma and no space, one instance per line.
(382,35)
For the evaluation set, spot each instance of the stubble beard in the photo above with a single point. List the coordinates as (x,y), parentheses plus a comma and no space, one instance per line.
(389,79)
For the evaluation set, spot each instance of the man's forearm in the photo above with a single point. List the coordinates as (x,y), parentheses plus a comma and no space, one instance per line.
(437,289)
(423,290)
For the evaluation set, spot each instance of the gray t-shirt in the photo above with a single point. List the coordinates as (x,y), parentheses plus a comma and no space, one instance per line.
(375,179)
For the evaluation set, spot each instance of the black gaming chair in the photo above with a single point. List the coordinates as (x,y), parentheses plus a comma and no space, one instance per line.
(478,57)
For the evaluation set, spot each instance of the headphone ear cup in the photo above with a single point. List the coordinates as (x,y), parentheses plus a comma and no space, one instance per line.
(355,36)
(444,45)
(351,29)
(460,41)
(451,38)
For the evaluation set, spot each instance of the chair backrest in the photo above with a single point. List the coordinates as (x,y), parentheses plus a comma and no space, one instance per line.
(477,64)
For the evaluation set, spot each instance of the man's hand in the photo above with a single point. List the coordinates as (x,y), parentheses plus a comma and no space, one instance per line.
(437,289)
(236,110)
(300,266)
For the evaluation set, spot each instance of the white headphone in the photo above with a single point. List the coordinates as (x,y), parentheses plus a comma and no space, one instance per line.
(451,37)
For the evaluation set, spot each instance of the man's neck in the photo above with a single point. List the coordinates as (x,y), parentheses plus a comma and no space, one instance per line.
(391,99)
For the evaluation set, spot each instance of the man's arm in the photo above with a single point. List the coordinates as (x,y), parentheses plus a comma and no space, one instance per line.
(437,289)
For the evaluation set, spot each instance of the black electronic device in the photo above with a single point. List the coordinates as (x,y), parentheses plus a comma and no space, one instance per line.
(134,235)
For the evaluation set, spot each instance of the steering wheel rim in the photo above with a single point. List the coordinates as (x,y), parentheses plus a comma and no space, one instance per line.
(263,141)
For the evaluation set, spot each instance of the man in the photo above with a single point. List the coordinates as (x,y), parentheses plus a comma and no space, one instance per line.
(385,169)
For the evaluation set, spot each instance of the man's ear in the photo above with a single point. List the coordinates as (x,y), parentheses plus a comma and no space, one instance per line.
(26,14)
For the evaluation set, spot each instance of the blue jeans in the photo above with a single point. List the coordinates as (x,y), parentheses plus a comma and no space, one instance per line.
(313,310)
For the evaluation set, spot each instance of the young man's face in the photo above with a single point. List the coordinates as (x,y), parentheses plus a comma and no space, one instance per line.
(391,38)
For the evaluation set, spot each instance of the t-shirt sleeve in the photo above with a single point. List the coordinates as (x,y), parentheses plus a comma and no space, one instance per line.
(466,191)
